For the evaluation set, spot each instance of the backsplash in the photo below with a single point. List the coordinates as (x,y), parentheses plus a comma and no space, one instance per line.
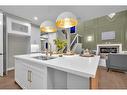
(17,45)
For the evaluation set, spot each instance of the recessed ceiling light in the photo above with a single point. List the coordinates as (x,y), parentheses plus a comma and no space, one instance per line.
(35,18)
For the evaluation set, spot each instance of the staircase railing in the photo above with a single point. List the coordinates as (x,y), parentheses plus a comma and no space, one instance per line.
(75,40)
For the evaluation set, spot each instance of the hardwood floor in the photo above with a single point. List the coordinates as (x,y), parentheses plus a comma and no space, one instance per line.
(7,82)
(107,80)
(112,79)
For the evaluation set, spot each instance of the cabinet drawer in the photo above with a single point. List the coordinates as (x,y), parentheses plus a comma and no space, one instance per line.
(34,65)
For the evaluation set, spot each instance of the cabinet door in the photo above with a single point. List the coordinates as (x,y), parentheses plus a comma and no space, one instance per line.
(21,73)
(18,27)
(35,78)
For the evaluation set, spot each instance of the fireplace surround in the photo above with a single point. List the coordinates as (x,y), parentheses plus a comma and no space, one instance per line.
(104,49)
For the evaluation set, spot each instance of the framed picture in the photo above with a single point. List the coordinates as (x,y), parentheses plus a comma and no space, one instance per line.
(109,35)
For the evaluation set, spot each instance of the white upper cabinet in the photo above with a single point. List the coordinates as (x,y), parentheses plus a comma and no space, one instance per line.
(18,27)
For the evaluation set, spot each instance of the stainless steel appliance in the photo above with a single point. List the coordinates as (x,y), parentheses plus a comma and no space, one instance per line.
(3,49)
(1,44)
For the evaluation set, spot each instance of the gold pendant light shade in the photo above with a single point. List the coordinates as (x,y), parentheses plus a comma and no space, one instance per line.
(48,26)
(66,20)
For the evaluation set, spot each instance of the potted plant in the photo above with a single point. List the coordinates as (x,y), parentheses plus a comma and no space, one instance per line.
(60,44)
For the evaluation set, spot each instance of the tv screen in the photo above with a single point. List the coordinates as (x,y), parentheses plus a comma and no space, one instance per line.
(72,30)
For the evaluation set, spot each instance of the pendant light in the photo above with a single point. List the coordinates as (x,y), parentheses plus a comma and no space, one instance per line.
(66,20)
(48,26)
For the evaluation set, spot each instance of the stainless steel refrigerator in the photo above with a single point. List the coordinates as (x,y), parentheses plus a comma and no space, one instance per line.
(2,45)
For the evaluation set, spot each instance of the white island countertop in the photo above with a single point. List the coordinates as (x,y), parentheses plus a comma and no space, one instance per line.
(82,66)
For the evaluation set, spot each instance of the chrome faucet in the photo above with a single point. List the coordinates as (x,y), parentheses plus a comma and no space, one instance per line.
(48,50)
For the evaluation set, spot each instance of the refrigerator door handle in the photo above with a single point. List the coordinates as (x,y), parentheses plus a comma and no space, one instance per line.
(1,53)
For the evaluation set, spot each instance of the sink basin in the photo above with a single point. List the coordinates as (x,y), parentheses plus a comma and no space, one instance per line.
(44,57)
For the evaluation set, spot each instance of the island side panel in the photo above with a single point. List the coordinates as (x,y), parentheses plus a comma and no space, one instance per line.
(57,79)
(94,83)
(77,82)
(50,78)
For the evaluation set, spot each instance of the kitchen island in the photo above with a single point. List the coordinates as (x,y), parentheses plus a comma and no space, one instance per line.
(67,72)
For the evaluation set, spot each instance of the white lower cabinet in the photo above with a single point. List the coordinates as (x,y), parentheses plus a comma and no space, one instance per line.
(35,78)
(21,73)
(28,76)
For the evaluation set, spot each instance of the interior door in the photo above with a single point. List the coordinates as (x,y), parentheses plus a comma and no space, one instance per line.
(1,44)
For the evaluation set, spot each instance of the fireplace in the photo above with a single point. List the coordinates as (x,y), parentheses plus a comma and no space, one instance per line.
(108,50)
(104,49)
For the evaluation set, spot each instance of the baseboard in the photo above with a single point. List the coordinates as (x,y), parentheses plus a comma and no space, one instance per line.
(9,69)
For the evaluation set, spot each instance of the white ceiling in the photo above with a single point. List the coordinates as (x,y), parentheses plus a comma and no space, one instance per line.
(51,12)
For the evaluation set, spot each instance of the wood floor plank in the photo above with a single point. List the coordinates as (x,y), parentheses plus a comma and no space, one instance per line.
(7,82)
(112,79)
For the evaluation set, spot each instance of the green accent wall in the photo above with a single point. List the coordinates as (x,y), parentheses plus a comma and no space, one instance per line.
(95,27)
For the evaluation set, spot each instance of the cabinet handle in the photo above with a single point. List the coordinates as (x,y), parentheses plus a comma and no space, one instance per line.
(28,75)
(29,78)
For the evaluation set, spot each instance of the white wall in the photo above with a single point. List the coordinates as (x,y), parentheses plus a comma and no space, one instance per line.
(35,39)
(60,35)
(35,35)
(52,36)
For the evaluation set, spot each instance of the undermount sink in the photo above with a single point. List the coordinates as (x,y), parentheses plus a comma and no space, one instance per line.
(44,57)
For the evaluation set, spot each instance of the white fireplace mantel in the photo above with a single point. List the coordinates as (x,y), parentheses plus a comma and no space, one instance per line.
(109,45)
